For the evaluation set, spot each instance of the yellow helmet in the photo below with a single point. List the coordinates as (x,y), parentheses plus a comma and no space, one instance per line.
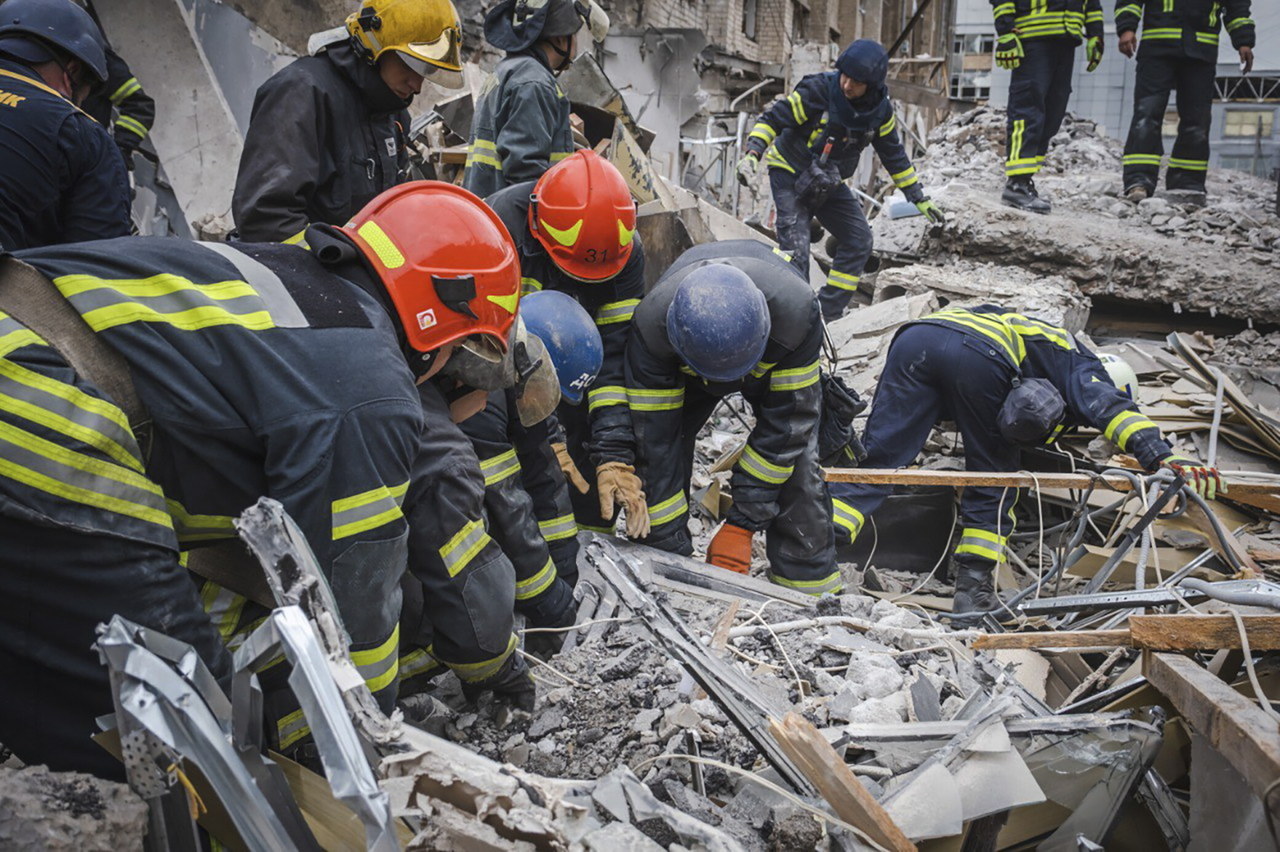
(425,33)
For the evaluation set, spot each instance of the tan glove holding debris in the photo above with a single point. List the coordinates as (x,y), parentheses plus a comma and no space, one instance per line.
(568,468)
(619,485)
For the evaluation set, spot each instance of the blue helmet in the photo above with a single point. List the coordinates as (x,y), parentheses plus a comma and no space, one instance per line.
(29,27)
(571,338)
(718,322)
(866,61)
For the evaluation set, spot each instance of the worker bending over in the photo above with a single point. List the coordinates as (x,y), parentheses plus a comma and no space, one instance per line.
(521,126)
(734,317)
(811,141)
(576,232)
(215,376)
(328,132)
(1007,380)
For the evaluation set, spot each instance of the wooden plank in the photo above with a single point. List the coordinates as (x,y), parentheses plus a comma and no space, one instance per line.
(852,802)
(1060,639)
(1203,632)
(1233,724)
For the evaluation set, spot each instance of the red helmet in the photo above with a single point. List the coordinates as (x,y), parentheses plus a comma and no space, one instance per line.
(446,259)
(582,213)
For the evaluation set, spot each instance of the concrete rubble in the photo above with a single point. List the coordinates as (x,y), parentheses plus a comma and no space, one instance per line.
(40,809)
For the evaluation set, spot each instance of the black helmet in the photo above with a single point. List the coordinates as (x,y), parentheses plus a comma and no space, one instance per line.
(28,28)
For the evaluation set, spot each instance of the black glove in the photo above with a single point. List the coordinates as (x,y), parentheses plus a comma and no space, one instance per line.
(127,143)
(554,608)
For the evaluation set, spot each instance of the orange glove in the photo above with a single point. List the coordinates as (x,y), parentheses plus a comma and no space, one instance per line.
(731,549)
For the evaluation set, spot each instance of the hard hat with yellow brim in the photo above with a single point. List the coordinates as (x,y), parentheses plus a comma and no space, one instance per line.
(426,34)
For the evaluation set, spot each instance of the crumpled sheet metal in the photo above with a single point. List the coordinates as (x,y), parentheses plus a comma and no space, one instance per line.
(288,631)
(153,697)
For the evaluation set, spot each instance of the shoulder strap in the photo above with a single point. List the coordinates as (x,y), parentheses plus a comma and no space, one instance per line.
(39,84)
(35,301)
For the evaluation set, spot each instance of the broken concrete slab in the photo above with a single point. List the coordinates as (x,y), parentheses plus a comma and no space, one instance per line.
(41,809)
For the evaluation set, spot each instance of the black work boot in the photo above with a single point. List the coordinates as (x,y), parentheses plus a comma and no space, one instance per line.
(1020,192)
(975,591)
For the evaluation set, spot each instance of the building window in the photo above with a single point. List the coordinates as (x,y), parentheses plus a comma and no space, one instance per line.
(1259,166)
(1170,125)
(1249,122)
(799,22)
(750,11)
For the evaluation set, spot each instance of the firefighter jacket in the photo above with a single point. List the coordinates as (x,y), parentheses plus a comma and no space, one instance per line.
(796,129)
(1188,28)
(1042,351)
(783,389)
(62,179)
(1033,19)
(611,303)
(242,359)
(135,110)
(325,136)
(525,489)
(521,126)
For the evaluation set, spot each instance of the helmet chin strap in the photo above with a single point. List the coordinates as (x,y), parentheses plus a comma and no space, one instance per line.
(565,58)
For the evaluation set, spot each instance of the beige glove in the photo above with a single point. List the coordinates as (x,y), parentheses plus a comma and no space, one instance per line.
(569,469)
(619,485)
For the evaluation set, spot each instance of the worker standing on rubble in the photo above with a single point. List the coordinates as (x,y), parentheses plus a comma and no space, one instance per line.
(1006,380)
(811,141)
(159,387)
(61,177)
(1037,42)
(1179,52)
(734,317)
(328,132)
(521,125)
(576,232)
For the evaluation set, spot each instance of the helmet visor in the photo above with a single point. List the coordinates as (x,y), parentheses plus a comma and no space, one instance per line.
(596,19)
(538,390)
(443,53)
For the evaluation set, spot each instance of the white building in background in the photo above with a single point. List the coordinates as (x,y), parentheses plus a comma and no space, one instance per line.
(1245,134)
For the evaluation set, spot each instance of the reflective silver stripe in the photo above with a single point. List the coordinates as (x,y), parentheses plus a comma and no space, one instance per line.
(178,301)
(416,663)
(485,669)
(499,467)
(982,543)
(54,469)
(191,527)
(537,584)
(847,516)
(557,528)
(284,310)
(291,728)
(668,510)
(794,379)
(368,510)
(458,552)
(832,583)
(606,395)
(616,311)
(47,401)
(761,468)
(379,665)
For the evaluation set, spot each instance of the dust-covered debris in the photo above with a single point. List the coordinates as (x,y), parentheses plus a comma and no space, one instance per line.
(40,809)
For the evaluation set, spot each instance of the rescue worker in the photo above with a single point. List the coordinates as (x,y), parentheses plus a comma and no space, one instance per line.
(1179,53)
(156,388)
(328,132)
(135,110)
(524,486)
(734,317)
(521,125)
(1006,380)
(1037,42)
(814,137)
(61,177)
(576,233)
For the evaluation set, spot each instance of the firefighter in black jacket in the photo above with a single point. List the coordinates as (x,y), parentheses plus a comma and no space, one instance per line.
(1037,41)
(576,232)
(1005,379)
(328,132)
(734,317)
(1179,52)
(135,109)
(259,370)
(837,112)
(61,178)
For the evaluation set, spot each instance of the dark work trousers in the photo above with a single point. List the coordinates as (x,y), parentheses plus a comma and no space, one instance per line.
(934,373)
(1193,81)
(799,540)
(1038,94)
(841,214)
(57,584)
(577,435)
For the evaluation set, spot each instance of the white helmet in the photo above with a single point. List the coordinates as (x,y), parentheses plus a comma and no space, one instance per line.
(1122,375)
